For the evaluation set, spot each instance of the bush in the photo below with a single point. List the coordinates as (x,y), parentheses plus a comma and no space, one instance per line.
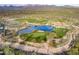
(19,52)
(22,43)
(11,51)
(8,51)
(53,43)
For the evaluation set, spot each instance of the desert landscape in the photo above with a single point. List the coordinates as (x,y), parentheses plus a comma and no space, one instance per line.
(39,30)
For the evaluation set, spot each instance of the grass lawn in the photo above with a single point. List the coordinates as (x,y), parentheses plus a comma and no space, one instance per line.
(32,20)
(60,32)
(21,20)
(42,36)
(58,20)
(35,37)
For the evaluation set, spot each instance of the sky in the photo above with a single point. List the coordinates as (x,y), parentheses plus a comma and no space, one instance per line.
(49,2)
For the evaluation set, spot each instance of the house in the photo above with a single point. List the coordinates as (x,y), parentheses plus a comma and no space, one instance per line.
(2,28)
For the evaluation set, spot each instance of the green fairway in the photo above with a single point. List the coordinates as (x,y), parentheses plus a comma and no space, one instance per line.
(35,37)
(30,20)
(60,32)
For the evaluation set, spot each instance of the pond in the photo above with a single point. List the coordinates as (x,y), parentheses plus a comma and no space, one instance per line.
(32,28)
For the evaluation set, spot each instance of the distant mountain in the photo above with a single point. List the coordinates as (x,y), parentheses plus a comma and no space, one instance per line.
(38,9)
(31,7)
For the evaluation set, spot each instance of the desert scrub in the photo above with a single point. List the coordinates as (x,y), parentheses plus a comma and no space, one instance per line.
(52,43)
(6,50)
(75,47)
